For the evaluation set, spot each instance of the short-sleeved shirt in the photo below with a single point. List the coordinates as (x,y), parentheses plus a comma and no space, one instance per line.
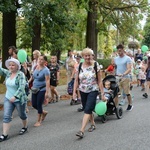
(87,79)
(121,64)
(53,69)
(39,78)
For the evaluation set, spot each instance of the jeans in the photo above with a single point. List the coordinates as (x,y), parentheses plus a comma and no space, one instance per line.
(9,108)
(88,101)
(37,101)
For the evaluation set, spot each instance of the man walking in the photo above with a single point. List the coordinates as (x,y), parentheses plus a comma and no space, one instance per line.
(123,70)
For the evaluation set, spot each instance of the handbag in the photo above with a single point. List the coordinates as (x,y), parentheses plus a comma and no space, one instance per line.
(36,90)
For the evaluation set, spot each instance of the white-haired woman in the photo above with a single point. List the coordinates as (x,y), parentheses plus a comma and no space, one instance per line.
(15,96)
(89,81)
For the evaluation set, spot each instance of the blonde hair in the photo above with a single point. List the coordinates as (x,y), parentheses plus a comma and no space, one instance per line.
(37,52)
(87,51)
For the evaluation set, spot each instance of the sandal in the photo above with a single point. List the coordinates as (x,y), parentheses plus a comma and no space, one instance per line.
(3,137)
(23,130)
(92,128)
(80,134)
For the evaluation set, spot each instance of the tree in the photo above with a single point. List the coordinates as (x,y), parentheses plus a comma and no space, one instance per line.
(53,22)
(122,14)
(146,37)
(9,9)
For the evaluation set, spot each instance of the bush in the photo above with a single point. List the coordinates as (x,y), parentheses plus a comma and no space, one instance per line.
(104,62)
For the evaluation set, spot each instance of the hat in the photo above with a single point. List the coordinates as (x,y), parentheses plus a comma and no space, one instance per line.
(139,60)
(12,60)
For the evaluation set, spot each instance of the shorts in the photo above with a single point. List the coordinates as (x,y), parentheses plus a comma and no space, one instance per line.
(142,81)
(88,101)
(53,82)
(124,85)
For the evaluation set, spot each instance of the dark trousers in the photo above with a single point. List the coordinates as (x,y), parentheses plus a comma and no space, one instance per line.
(37,101)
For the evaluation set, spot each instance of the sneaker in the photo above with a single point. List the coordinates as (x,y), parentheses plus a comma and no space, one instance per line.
(145,95)
(78,101)
(122,102)
(80,109)
(3,137)
(119,95)
(130,107)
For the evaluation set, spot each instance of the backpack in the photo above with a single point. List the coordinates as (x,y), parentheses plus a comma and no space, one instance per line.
(95,68)
(70,87)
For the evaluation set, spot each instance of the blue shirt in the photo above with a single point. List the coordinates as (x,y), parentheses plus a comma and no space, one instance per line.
(121,63)
(11,88)
(39,78)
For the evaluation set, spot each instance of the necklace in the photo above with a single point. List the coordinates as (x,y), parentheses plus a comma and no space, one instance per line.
(39,71)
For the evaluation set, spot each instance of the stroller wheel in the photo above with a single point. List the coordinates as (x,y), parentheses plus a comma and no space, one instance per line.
(104,119)
(119,112)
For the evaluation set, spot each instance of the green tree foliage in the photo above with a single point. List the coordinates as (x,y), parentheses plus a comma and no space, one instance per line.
(146,39)
(124,15)
(58,21)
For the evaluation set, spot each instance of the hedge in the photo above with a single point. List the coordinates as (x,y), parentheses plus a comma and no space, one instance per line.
(104,62)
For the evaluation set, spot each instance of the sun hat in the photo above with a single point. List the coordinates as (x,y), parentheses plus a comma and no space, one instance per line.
(139,60)
(12,60)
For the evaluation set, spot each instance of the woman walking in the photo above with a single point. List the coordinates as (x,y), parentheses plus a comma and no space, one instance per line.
(54,78)
(41,76)
(15,96)
(89,81)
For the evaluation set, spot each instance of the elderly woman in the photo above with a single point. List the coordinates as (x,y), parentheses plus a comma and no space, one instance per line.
(41,76)
(15,96)
(89,81)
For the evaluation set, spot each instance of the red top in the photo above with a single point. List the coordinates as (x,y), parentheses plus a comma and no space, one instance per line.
(110,68)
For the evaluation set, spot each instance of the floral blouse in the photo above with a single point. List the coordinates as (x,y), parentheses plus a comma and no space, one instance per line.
(87,79)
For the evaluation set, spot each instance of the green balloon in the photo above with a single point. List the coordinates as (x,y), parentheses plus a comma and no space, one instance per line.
(100,108)
(22,55)
(114,49)
(144,48)
(82,60)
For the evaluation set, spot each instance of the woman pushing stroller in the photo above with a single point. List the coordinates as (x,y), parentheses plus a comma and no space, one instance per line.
(89,81)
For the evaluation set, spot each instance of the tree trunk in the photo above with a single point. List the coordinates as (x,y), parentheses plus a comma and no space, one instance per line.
(91,33)
(8,33)
(57,53)
(36,34)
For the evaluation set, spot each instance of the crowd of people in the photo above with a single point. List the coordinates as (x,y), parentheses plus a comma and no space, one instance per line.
(43,78)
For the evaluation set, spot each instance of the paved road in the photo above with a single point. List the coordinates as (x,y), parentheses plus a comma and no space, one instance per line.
(57,132)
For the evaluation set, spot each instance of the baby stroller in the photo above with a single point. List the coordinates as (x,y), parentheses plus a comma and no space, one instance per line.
(111,107)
